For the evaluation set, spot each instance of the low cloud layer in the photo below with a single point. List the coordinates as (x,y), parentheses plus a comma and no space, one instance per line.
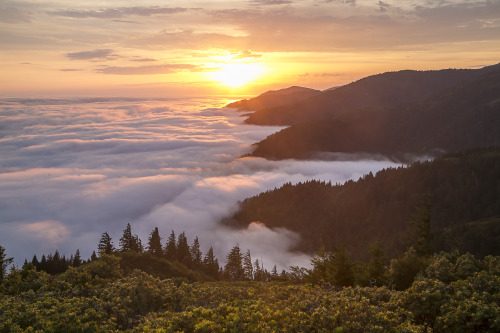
(70,171)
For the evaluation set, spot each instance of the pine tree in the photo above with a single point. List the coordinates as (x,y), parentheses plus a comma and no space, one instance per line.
(196,254)
(35,262)
(343,274)
(234,264)
(154,243)
(247,265)
(377,268)
(105,245)
(259,274)
(77,260)
(137,245)
(211,264)
(422,235)
(129,242)
(171,247)
(4,263)
(183,254)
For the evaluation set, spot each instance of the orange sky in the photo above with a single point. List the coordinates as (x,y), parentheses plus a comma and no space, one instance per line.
(197,48)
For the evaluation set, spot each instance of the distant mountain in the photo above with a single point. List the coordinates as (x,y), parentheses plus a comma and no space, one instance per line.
(394,114)
(463,190)
(274,98)
(377,91)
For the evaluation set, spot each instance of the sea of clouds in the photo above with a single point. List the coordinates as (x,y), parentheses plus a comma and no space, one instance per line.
(71,169)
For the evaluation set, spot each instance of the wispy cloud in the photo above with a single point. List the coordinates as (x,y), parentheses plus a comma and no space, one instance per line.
(102,54)
(115,13)
(146,70)
(11,13)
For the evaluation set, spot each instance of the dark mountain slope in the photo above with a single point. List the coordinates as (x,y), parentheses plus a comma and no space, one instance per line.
(464,116)
(274,98)
(463,189)
(377,91)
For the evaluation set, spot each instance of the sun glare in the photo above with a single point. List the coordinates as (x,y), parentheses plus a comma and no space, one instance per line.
(237,75)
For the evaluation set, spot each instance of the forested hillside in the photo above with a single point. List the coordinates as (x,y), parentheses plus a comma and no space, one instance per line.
(275,98)
(374,92)
(463,116)
(462,190)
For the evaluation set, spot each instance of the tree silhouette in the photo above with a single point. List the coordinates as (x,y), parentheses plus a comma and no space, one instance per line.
(4,263)
(196,254)
(105,245)
(234,264)
(154,243)
(171,247)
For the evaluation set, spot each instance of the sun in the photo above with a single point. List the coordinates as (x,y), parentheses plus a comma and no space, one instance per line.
(237,74)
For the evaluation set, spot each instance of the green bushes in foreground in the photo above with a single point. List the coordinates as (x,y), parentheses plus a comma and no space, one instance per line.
(456,293)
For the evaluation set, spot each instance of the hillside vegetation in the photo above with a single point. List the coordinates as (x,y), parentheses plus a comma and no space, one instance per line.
(462,189)
(394,114)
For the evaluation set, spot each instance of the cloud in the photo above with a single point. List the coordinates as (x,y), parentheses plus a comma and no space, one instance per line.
(143,59)
(10,13)
(246,54)
(50,231)
(115,13)
(70,70)
(146,70)
(74,168)
(102,54)
(271,2)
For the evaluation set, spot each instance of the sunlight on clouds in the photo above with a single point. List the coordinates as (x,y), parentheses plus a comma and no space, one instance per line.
(235,75)
(50,231)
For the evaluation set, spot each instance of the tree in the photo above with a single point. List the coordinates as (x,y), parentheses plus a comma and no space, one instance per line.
(211,264)
(247,265)
(422,236)
(183,254)
(4,263)
(154,243)
(377,268)
(343,273)
(259,272)
(234,264)
(77,259)
(105,245)
(171,247)
(196,254)
(129,242)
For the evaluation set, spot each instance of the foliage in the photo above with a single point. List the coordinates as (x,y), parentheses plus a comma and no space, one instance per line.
(464,207)
(456,293)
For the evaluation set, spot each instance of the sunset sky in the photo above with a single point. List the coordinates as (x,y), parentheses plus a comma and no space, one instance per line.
(194,48)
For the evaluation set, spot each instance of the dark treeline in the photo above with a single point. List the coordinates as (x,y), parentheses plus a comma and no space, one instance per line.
(175,258)
(462,189)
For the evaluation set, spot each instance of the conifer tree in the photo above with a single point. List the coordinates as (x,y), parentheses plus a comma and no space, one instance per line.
(343,274)
(171,247)
(377,268)
(234,264)
(127,241)
(105,245)
(211,264)
(4,263)
(247,265)
(422,234)
(93,256)
(183,254)
(196,255)
(154,244)
(77,260)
